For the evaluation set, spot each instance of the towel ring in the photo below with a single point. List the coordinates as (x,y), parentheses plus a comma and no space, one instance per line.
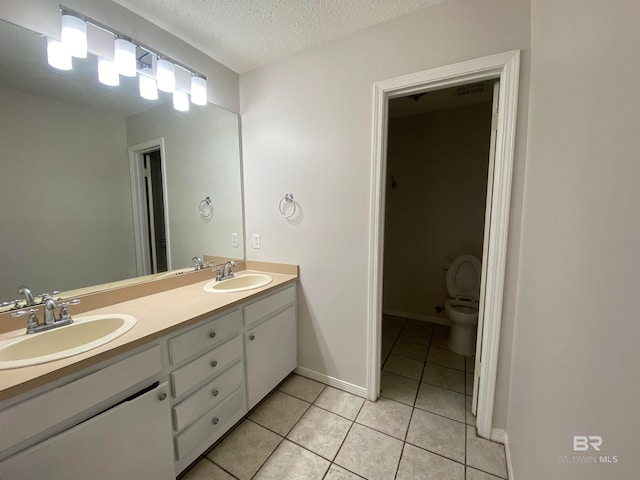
(206,208)
(287,200)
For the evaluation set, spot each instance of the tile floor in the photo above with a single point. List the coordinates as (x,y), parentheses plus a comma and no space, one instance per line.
(421,428)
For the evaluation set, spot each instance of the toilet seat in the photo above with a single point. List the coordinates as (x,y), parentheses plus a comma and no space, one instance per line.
(463,278)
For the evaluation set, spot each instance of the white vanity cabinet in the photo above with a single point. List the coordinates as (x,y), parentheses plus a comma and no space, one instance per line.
(207,383)
(270,342)
(112,423)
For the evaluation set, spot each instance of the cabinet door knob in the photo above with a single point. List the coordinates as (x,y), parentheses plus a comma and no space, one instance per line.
(212,334)
(162,397)
(214,364)
(252,337)
(215,392)
(215,420)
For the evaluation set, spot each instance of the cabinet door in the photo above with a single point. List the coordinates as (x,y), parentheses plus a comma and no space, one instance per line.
(130,440)
(271,354)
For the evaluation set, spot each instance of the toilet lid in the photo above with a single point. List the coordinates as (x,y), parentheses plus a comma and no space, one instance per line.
(463,277)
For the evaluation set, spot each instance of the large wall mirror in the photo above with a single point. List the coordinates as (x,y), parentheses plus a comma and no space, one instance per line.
(99,185)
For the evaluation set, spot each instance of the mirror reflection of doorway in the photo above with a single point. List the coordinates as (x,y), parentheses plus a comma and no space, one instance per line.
(155,210)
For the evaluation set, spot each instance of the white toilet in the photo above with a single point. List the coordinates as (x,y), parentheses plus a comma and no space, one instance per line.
(463,284)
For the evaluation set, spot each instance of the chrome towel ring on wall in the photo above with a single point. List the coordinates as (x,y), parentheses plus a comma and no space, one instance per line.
(287,203)
(206,208)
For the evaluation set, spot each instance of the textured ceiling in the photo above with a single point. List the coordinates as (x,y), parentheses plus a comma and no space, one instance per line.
(246,34)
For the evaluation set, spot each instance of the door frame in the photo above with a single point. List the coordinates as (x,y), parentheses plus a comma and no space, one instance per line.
(138,202)
(505,67)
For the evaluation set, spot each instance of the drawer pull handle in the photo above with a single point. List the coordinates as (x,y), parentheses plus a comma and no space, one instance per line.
(252,337)
(215,392)
(212,334)
(162,397)
(216,420)
(214,364)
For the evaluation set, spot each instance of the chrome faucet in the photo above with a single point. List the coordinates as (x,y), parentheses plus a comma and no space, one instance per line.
(198,263)
(50,321)
(26,291)
(226,272)
(49,311)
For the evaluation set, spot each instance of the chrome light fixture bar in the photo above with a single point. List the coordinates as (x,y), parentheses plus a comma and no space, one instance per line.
(129,58)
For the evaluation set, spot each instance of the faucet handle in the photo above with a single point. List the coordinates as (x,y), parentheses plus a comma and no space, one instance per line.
(17,303)
(33,321)
(64,308)
(45,296)
(19,313)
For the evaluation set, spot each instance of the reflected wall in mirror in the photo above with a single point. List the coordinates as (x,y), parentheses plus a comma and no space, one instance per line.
(76,208)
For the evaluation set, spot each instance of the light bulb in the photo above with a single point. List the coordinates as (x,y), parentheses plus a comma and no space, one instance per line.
(166,76)
(108,73)
(74,35)
(125,57)
(58,56)
(198,90)
(147,84)
(180,101)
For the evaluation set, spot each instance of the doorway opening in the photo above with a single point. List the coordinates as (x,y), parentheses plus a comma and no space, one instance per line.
(439,149)
(150,210)
(505,68)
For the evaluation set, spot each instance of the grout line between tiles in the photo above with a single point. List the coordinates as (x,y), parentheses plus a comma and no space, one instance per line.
(220,467)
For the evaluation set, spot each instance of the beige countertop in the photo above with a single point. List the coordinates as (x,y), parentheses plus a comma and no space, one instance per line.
(158,315)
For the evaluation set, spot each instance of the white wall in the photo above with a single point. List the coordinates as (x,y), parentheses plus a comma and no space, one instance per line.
(307,124)
(51,154)
(575,354)
(202,152)
(436,212)
(43,16)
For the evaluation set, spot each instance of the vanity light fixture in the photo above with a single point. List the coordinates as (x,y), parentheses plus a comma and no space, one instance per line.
(108,72)
(57,55)
(198,90)
(74,35)
(180,101)
(120,55)
(125,57)
(166,75)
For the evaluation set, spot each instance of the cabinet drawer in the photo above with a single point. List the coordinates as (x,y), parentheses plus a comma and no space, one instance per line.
(192,408)
(199,436)
(260,309)
(45,411)
(207,365)
(205,336)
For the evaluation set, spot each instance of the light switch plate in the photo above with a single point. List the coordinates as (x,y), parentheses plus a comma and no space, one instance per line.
(235,240)
(257,241)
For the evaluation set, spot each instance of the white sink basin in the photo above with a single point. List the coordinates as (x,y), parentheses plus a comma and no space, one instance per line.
(239,283)
(82,335)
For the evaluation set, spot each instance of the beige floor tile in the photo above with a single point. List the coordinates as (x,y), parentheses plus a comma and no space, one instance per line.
(441,401)
(444,377)
(387,343)
(473,474)
(205,470)
(302,388)
(386,416)
(384,353)
(279,412)
(382,453)
(245,449)
(403,366)
(342,403)
(392,320)
(470,418)
(470,363)
(419,325)
(293,462)
(391,331)
(468,386)
(414,351)
(338,473)
(415,336)
(438,341)
(320,431)
(419,464)
(485,455)
(437,434)
(442,331)
(398,388)
(445,358)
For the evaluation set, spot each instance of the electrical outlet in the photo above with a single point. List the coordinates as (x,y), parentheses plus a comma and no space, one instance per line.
(235,240)
(257,241)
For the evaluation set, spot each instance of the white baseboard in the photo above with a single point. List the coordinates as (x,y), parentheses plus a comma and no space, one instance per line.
(331,381)
(418,316)
(498,435)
